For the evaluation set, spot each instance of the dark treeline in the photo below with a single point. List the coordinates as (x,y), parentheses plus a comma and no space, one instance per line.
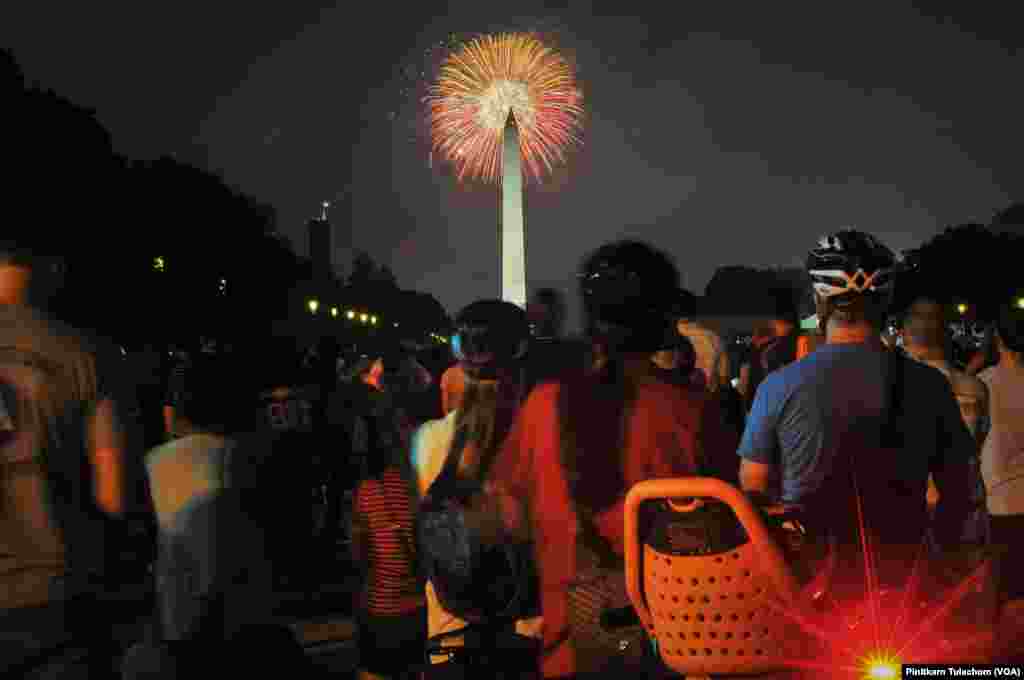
(977,265)
(160,251)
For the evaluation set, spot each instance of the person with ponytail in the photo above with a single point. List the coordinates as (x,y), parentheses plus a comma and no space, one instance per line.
(490,344)
(579,444)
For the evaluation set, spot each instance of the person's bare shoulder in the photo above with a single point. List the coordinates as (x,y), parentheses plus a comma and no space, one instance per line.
(967,386)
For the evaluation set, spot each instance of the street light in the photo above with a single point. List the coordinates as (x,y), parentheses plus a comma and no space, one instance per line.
(373,320)
(1020,303)
(363,317)
(350,314)
(962,308)
(334,312)
(313,305)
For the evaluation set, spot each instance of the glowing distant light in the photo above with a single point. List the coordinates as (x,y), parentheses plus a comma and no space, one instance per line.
(364,317)
(1020,303)
(373,320)
(313,305)
(882,671)
(396,324)
(962,308)
(159,264)
(350,314)
(881,667)
(334,311)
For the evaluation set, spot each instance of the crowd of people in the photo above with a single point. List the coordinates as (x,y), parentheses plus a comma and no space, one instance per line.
(211,487)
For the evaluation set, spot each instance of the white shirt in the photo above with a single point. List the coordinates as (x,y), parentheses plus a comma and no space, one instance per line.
(184,472)
(430,447)
(1002,454)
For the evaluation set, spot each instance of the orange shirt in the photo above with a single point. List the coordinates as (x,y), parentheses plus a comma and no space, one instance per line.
(453,384)
(807,343)
(667,430)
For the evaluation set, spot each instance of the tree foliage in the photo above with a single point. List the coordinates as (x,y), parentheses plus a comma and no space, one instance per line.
(974,264)
(736,289)
(156,250)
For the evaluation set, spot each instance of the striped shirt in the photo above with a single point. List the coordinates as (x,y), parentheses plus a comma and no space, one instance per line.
(383,507)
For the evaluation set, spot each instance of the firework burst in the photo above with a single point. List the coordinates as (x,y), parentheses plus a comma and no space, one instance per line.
(484,82)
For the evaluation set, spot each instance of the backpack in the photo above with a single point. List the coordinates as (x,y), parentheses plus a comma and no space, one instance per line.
(489,580)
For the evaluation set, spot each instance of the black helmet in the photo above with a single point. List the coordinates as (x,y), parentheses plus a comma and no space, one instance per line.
(628,291)
(490,334)
(851,263)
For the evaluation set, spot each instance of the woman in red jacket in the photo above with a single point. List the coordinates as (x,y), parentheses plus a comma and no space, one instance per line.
(579,444)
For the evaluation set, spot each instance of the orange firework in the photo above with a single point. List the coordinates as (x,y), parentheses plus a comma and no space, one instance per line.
(486,81)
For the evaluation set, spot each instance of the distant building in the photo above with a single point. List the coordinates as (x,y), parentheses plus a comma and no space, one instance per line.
(320,247)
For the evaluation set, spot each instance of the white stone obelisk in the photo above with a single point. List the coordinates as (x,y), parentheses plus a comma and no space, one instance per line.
(513,229)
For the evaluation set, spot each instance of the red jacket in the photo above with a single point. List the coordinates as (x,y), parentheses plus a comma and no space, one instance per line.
(668,431)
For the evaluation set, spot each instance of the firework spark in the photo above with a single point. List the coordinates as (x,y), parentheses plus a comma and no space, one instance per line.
(487,80)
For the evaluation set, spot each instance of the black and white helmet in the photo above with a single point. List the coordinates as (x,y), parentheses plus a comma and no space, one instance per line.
(851,262)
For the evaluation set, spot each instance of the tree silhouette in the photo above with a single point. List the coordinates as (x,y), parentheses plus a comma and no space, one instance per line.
(968,263)
(737,289)
(12,78)
(386,278)
(364,270)
(159,250)
(420,314)
(795,282)
(1010,218)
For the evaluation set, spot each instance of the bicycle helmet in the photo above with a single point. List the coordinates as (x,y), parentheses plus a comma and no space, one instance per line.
(628,290)
(490,335)
(851,263)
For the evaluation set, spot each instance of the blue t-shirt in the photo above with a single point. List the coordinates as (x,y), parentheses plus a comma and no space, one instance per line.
(802,411)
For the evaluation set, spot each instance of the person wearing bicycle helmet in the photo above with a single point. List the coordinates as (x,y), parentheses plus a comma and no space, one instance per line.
(834,426)
(579,444)
(491,343)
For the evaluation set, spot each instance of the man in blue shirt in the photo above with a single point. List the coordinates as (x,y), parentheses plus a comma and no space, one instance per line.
(850,433)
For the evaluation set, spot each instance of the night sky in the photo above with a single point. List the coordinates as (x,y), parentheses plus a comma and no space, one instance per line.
(733,136)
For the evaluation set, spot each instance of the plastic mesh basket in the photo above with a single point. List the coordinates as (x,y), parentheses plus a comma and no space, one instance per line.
(720,613)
